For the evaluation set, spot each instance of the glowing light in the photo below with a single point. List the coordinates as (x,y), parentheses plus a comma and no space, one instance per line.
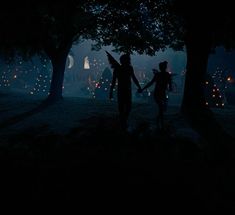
(86,63)
(15,76)
(70,61)
(206,103)
(207,82)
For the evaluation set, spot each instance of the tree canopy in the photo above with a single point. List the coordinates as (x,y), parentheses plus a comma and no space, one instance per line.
(35,26)
(46,27)
(131,26)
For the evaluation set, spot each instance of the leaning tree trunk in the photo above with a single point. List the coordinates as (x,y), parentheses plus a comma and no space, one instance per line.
(198,47)
(58,59)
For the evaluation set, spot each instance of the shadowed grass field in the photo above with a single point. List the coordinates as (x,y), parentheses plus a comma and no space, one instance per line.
(75,149)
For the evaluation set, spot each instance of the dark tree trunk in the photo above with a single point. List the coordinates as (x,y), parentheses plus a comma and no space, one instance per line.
(198,47)
(58,58)
(200,117)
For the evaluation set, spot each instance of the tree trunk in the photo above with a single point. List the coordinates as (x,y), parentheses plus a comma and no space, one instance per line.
(58,59)
(198,48)
(198,44)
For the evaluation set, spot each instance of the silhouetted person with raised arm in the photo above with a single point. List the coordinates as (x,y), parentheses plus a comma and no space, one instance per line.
(163,81)
(124,73)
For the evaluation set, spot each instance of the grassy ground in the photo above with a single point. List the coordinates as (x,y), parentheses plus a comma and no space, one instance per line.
(76,150)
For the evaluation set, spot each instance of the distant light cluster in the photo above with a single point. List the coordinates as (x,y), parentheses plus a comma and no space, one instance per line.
(215,88)
(20,75)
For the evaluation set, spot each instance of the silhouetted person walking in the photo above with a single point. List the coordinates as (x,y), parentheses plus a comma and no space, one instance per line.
(123,74)
(163,81)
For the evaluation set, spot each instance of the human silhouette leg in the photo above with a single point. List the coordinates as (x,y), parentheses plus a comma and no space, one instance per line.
(122,114)
(127,109)
(160,117)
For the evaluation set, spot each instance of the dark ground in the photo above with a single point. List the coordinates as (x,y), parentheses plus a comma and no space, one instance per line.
(94,162)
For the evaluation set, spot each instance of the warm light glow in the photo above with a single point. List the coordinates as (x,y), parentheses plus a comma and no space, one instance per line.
(86,63)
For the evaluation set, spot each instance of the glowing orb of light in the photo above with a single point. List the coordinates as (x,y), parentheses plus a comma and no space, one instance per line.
(229,79)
